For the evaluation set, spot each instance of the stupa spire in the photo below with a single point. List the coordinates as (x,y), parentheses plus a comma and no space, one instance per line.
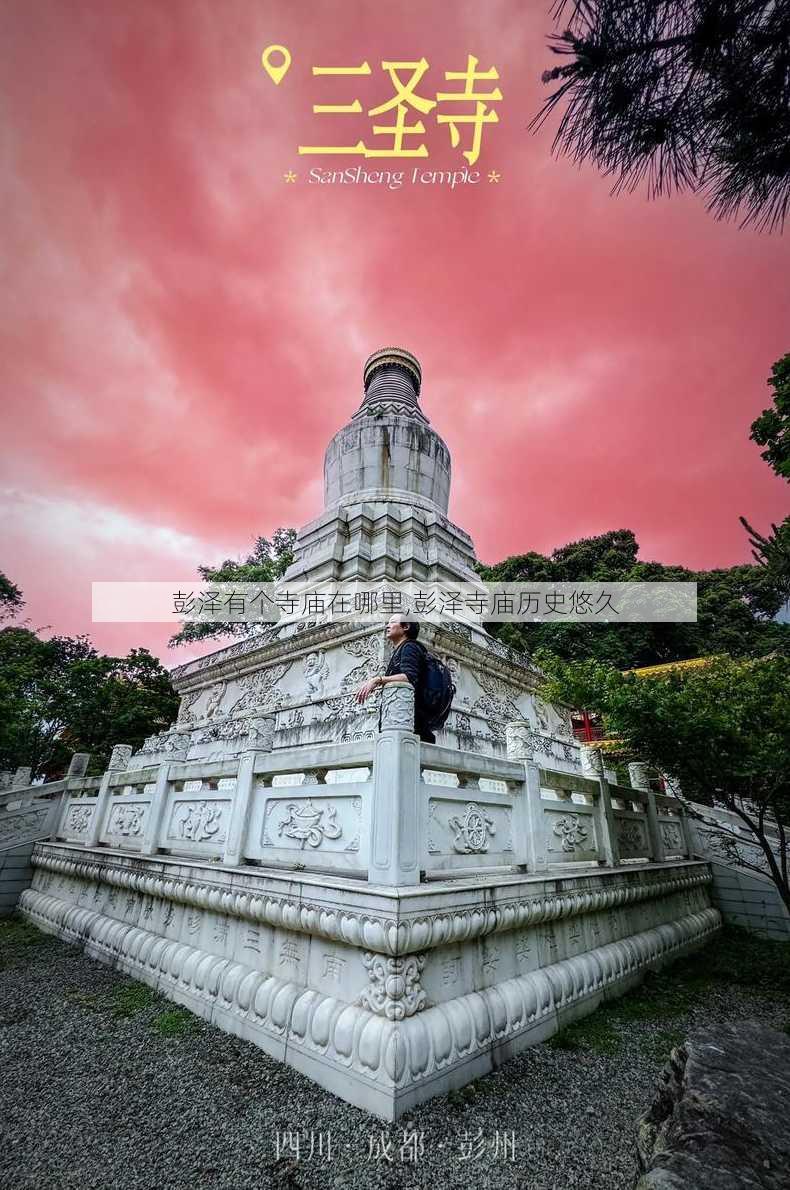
(392,379)
(386,491)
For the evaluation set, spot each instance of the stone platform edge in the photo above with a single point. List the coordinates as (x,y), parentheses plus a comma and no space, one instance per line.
(384,1066)
(393,921)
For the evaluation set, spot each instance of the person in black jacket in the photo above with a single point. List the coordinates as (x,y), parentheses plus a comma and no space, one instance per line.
(407,662)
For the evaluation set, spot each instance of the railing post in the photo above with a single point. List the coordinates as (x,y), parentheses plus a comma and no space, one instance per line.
(688,838)
(78,765)
(156,810)
(242,798)
(527,808)
(21,778)
(639,779)
(396,818)
(605,822)
(119,760)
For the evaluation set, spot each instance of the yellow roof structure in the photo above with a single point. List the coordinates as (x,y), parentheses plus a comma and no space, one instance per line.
(649,671)
(613,743)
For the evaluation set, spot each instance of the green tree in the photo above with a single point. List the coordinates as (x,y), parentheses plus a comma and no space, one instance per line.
(118,700)
(34,697)
(11,601)
(60,696)
(683,94)
(772,428)
(773,552)
(268,561)
(735,606)
(721,731)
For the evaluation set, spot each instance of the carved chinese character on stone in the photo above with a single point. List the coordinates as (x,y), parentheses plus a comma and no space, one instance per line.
(523,947)
(252,939)
(451,970)
(333,967)
(489,955)
(200,821)
(289,953)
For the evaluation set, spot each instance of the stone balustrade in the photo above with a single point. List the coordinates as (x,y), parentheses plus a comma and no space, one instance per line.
(392,917)
(392,810)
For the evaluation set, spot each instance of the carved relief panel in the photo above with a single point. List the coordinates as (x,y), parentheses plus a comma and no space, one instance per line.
(632,837)
(78,819)
(570,836)
(469,833)
(312,826)
(197,820)
(316,823)
(126,820)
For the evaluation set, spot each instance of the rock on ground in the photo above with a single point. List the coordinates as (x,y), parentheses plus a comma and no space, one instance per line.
(722,1117)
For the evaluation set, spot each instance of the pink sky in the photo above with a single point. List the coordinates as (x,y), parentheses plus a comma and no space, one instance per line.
(183,331)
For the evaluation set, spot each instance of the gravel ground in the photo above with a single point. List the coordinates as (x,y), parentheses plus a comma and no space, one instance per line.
(105,1085)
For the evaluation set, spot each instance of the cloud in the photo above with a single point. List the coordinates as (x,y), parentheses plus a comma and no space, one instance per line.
(182,332)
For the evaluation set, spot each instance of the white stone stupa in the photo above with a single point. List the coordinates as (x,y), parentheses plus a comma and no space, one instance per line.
(386,497)
(391,918)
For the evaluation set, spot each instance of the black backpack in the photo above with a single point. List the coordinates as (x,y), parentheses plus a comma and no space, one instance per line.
(438,690)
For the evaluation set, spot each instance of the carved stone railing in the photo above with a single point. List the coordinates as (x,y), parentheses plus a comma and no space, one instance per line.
(472,812)
(24,822)
(392,810)
(297,808)
(572,819)
(31,812)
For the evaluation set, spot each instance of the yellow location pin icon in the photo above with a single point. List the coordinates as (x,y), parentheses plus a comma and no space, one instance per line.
(276,73)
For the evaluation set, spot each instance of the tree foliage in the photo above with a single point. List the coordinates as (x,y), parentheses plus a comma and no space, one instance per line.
(773,552)
(11,601)
(772,428)
(682,94)
(721,730)
(267,562)
(60,696)
(735,606)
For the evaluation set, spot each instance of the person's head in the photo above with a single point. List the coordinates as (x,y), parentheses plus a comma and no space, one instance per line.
(399,629)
